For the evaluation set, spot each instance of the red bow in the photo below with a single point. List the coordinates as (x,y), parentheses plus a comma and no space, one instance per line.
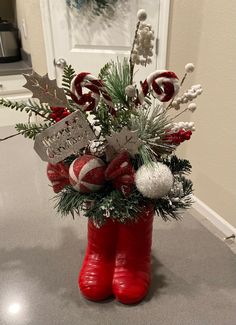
(120,171)
(58,174)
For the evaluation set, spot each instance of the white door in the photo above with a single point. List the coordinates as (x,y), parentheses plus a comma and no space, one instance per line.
(87,36)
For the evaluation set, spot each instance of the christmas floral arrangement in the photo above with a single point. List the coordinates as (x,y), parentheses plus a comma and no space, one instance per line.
(110,147)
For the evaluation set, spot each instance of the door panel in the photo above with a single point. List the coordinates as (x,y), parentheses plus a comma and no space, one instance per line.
(87,37)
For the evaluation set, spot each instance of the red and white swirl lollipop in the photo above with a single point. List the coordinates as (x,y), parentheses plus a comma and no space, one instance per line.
(89,101)
(164,83)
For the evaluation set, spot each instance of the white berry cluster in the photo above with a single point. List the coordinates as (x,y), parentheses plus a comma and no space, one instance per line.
(176,192)
(143,45)
(187,97)
(175,127)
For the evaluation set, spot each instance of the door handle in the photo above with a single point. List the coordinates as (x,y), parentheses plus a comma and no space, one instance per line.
(60,63)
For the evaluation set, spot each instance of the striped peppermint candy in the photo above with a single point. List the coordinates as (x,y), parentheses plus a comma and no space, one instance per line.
(87,174)
(164,83)
(89,101)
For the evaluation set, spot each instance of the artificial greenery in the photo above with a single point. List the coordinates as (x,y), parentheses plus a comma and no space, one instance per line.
(117,78)
(68,75)
(30,130)
(104,71)
(30,106)
(167,208)
(151,123)
(18,106)
(113,204)
(103,119)
(177,165)
(97,205)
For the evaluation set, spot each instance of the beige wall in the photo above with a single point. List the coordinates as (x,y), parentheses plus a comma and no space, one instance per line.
(203,31)
(34,44)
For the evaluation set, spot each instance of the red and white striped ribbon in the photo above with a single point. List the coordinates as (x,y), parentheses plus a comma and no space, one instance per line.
(164,83)
(89,101)
(58,174)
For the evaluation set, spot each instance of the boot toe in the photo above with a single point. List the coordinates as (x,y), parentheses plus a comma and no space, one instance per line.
(95,281)
(93,291)
(131,289)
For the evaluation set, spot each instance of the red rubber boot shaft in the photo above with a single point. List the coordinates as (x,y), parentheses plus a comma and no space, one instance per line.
(95,278)
(131,278)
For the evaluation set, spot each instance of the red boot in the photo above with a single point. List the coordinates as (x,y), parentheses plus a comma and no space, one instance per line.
(132,269)
(95,278)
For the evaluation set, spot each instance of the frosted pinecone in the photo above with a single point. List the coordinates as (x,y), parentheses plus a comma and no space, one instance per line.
(97,147)
(176,192)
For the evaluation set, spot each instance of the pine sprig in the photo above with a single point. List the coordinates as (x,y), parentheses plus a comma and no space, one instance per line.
(168,209)
(104,71)
(151,124)
(68,75)
(30,130)
(41,109)
(177,165)
(97,205)
(30,106)
(13,105)
(103,119)
(117,78)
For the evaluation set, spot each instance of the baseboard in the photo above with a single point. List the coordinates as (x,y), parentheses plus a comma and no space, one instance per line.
(213,217)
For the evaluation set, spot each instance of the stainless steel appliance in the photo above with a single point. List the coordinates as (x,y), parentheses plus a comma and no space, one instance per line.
(9,42)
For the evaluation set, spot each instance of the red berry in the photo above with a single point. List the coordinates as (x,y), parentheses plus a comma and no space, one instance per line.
(188,135)
(65,113)
(53,116)
(181,133)
(175,139)
(57,109)
(57,119)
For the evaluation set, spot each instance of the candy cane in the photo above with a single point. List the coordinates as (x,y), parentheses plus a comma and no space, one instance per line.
(90,100)
(164,84)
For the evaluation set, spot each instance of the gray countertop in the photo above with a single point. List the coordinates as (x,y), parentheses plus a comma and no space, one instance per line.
(18,67)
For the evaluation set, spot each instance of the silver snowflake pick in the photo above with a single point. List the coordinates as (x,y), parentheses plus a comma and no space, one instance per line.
(124,139)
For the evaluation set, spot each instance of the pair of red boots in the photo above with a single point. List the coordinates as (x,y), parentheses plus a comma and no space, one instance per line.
(117,260)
